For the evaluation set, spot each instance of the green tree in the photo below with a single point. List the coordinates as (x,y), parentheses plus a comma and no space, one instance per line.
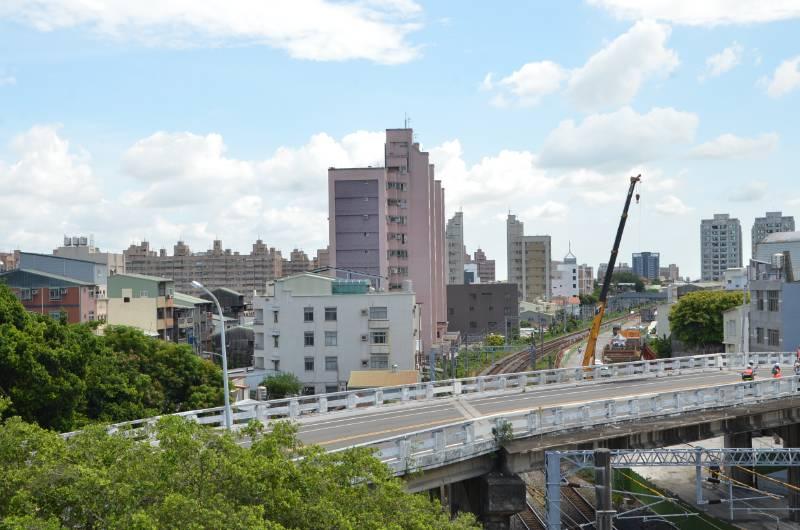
(197,477)
(494,339)
(628,277)
(697,317)
(282,385)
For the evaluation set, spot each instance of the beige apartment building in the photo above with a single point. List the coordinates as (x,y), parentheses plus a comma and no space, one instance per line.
(528,261)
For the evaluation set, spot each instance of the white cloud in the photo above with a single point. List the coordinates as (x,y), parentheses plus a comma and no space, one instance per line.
(321,30)
(703,13)
(597,197)
(732,146)
(491,182)
(794,202)
(750,192)
(549,210)
(528,85)
(614,75)
(671,205)
(721,62)
(617,139)
(7,80)
(785,79)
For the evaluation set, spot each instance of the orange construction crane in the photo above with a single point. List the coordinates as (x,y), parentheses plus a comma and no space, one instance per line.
(588,355)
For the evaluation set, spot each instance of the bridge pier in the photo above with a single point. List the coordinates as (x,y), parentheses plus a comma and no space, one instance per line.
(791,439)
(737,441)
(494,498)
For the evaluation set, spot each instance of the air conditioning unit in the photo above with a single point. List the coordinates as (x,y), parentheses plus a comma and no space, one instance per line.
(364,312)
(34,291)
(364,337)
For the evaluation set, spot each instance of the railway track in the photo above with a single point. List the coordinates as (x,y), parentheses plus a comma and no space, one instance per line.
(530,518)
(520,361)
(580,513)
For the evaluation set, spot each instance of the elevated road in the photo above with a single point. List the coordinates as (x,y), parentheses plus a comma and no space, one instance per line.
(346,428)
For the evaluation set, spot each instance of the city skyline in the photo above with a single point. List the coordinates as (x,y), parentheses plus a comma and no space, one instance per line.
(229,135)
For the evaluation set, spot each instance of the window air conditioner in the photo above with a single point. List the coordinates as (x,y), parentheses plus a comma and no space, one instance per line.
(364,312)
(364,337)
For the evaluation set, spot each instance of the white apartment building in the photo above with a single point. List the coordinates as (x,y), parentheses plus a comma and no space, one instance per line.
(564,279)
(322,328)
(734,279)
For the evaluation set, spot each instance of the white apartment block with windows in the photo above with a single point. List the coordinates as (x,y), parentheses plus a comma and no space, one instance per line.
(321,329)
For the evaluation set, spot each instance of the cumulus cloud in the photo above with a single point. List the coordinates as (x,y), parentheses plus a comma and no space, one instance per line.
(528,85)
(749,192)
(614,75)
(322,30)
(704,13)
(732,146)
(550,210)
(785,79)
(609,78)
(491,181)
(671,205)
(617,139)
(721,62)
(7,80)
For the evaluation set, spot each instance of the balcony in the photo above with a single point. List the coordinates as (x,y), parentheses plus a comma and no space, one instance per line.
(378,324)
(379,349)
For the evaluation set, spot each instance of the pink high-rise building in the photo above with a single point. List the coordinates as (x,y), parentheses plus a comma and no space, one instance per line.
(387,224)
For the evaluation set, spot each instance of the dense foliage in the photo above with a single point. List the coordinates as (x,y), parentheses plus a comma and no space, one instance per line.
(282,385)
(63,376)
(697,317)
(196,477)
(627,277)
(495,340)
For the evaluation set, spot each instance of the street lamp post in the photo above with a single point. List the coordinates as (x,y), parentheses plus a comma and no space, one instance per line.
(228,416)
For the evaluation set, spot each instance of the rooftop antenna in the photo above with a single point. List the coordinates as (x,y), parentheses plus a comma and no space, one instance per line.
(406,120)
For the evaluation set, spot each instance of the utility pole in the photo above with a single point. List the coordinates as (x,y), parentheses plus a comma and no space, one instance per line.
(602,479)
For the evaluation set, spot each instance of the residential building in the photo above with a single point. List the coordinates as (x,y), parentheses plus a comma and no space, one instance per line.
(670,273)
(774,308)
(564,279)
(321,329)
(646,265)
(454,236)
(51,294)
(8,261)
(619,267)
(585,279)
(143,302)
(239,345)
(297,263)
(322,259)
(733,321)
(233,303)
(777,243)
(191,321)
(528,262)
(85,271)
(217,267)
(735,279)
(486,268)
(720,246)
(771,223)
(387,224)
(81,247)
(483,308)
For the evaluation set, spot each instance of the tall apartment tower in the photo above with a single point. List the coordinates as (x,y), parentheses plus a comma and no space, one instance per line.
(647,265)
(769,224)
(387,223)
(528,261)
(486,269)
(454,235)
(720,246)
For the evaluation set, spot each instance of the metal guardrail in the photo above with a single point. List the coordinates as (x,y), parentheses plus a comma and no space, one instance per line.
(295,407)
(438,446)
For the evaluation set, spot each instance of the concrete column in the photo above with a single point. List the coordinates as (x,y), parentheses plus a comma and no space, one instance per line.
(791,439)
(739,441)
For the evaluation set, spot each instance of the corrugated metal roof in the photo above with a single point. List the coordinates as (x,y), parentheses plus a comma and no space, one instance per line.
(187,300)
(48,275)
(378,378)
(142,277)
(782,237)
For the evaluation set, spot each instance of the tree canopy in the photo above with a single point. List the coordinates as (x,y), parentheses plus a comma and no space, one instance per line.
(697,317)
(628,277)
(281,385)
(63,376)
(197,477)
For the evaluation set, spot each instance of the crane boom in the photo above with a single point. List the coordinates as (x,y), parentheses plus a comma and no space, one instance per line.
(588,355)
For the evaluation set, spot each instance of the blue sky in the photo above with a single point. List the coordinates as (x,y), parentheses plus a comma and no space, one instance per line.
(206,119)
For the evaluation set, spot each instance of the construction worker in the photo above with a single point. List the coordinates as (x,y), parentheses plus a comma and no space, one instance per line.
(776,371)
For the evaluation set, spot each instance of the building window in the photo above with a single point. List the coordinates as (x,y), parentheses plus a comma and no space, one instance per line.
(398,219)
(400,203)
(309,364)
(759,335)
(772,300)
(308,390)
(379,362)
(773,337)
(378,337)
(451,311)
(55,294)
(759,300)
(144,293)
(308,314)
(55,315)
(378,313)
(275,317)
(331,364)
(394,185)
(25,294)
(331,338)
(473,325)
(275,341)
(330,314)
(126,300)
(330,389)
(308,338)
(397,253)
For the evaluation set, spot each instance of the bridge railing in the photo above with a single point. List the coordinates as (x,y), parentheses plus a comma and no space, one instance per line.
(296,407)
(462,440)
